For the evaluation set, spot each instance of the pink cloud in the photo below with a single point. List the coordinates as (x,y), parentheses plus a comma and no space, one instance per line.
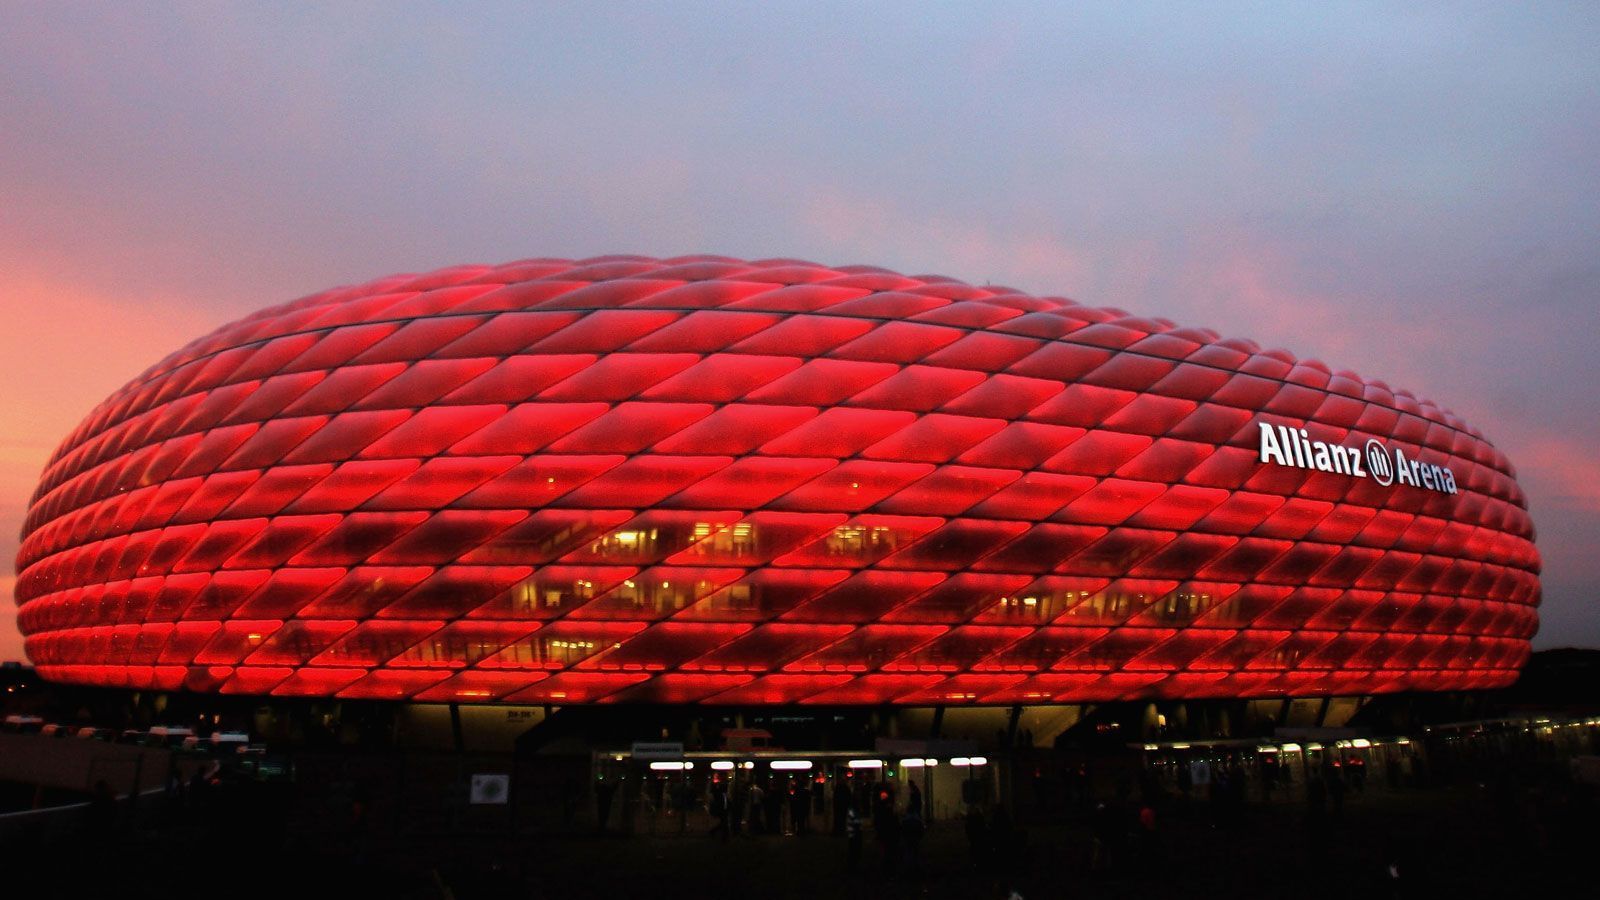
(65,348)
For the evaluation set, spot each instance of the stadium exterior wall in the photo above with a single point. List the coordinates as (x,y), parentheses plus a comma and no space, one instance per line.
(705,480)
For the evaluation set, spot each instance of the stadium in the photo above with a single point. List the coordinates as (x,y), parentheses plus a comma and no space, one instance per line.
(706,481)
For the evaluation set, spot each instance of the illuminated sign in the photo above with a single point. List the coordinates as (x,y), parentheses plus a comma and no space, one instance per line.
(1294,447)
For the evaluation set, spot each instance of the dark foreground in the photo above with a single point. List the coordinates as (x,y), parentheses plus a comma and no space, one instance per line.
(1531,837)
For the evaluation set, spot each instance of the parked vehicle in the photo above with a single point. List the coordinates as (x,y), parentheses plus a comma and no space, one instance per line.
(168,735)
(22,724)
(224,741)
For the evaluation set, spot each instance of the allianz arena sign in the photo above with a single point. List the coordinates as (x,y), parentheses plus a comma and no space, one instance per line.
(1293,447)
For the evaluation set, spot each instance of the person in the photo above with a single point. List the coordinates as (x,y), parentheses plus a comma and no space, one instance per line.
(799,806)
(886,826)
(1357,767)
(1335,778)
(1103,838)
(913,797)
(1185,784)
(757,808)
(1149,838)
(841,805)
(977,837)
(569,802)
(852,836)
(774,810)
(911,830)
(604,793)
(737,797)
(718,804)
(103,812)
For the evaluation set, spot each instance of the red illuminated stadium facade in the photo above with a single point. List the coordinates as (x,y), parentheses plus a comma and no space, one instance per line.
(704,480)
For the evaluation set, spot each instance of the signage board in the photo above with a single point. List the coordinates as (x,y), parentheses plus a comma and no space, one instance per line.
(492,789)
(658,750)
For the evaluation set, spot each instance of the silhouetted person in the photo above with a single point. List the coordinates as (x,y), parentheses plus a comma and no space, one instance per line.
(977,838)
(911,830)
(774,809)
(1336,786)
(718,806)
(102,812)
(799,806)
(738,798)
(841,806)
(852,837)
(1104,831)
(758,809)
(1185,784)
(1149,835)
(604,793)
(886,826)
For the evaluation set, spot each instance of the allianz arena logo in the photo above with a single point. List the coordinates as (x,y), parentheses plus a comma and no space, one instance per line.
(1293,447)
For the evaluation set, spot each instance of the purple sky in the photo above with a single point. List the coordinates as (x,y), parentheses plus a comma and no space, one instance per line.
(1411,193)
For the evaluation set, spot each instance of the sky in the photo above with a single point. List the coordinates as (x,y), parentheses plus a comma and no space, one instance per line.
(1406,190)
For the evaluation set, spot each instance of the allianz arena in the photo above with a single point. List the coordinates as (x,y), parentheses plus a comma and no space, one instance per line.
(704,480)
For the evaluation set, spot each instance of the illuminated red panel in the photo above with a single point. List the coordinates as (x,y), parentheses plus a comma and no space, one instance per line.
(577,687)
(772,689)
(698,480)
(479,687)
(679,687)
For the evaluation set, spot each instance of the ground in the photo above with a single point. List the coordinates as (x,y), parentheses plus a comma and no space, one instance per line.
(1464,840)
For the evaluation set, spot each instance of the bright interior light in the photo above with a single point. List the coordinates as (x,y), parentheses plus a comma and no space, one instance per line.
(791,765)
(960,761)
(722,765)
(670,766)
(908,763)
(979,760)
(1290,748)
(1360,743)
(859,764)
